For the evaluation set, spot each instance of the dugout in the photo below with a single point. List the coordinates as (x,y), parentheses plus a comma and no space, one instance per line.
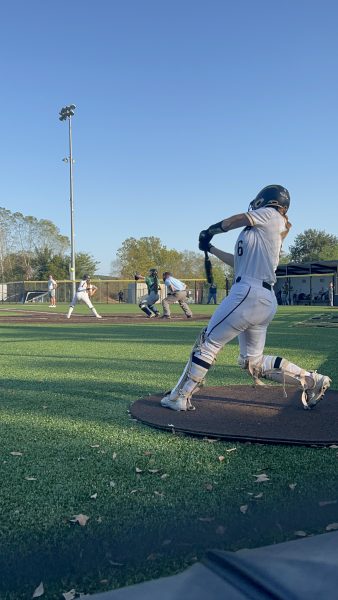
(307,283)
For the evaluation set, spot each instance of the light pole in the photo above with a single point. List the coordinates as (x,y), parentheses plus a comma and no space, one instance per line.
(66,113)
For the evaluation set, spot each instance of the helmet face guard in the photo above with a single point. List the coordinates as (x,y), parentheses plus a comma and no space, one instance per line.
(275,196)
(153,272)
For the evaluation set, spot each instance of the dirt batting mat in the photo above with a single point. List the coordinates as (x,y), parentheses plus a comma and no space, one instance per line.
(25,316)
(245,413)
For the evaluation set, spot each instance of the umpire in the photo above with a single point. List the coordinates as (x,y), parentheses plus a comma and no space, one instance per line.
(177,292)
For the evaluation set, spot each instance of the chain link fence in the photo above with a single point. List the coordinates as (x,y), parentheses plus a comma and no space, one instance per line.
(110,291)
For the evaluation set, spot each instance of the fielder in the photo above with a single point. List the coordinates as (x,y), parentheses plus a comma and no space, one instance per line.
(250,306)
(147,302)
(52,285)
(84,292)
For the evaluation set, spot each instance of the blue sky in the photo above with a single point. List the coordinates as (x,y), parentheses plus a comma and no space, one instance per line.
(185,109)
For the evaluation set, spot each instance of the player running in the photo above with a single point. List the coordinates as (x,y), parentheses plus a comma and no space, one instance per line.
(147,302)
(84,292)
(250,306)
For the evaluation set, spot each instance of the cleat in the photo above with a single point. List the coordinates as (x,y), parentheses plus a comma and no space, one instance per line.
(311,396)
(180,403)
(157,315)
(150,316)
(166,317)
(189,316)
(98,317)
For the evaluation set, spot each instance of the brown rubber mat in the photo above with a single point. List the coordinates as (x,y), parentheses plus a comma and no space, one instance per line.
(246,413)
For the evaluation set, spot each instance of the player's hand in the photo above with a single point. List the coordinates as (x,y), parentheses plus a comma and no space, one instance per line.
(137,276)
(204,240)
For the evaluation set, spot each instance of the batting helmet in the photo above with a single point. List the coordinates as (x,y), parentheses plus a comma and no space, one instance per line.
(153,272)
(86,276)
(275,196)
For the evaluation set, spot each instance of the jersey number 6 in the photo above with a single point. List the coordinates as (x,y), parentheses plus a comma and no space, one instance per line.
(240,247)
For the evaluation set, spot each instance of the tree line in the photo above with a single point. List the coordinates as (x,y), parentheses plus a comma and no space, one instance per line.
(31,249)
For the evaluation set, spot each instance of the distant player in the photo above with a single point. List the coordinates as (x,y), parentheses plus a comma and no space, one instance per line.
(52,285)
(147,302)
(331,293)
(84,293)
(250,306)
(176,292)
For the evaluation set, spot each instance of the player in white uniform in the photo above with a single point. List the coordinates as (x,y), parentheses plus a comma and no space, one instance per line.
(52,285)
(84,292)
(250,306)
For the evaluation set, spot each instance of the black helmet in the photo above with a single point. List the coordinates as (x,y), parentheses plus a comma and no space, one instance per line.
(275,196)
(153,272)
(86,276)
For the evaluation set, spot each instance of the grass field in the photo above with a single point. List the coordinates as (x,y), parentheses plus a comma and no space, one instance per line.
(69,447)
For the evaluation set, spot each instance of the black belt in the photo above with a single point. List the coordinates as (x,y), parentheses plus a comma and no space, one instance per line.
(265,284)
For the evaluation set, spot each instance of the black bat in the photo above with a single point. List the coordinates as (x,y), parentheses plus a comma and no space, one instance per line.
(208,268)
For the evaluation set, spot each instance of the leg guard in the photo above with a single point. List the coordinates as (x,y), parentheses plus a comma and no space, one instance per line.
(201,359)
(146,310)
(275,368)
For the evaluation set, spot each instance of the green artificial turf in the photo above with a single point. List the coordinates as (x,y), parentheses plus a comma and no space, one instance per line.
(65,393)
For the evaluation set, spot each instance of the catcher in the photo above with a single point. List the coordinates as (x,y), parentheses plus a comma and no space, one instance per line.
(85,292)
(250,306)
(147,302)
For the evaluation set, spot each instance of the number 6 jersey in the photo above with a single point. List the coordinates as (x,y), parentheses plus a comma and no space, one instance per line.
(258,246)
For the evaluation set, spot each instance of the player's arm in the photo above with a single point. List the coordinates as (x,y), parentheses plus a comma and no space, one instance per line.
(234,222)
(225,257)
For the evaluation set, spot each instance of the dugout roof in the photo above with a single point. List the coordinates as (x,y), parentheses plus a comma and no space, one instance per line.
(318,267)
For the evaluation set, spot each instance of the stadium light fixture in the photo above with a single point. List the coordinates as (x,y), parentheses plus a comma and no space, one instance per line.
(66,113)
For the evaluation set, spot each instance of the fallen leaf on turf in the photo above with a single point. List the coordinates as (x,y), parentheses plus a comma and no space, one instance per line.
(136,491)
(39,591)
(206,519)
(209,487)
(80,519)
(30,478)
(69,595)
(231,450)
(93,496)
(221,458)
(161,494)
(333,446)
(137,470)
(262,477)
(115,564)
(259,495)
(153,470)
(114,455)
(300,533)
(44,407)
(210,440)
(103,581)
(327,502)
(95,446)
(331,527)
(16,453)
(243,508)
(171,425)
(220,530)
(153,556)
(164,476)
(292,486)
(99,520)
(112,484)
(147,453)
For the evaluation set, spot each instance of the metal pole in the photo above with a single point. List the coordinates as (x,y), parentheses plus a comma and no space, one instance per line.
(71,189)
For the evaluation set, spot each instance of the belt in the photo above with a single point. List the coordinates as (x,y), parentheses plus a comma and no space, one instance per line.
(265,284)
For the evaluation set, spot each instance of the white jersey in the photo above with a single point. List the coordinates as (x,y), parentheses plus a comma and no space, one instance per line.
(51,284)
(258,246)
(83,286)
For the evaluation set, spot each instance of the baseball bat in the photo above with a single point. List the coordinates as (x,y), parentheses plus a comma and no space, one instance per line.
(208,268)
